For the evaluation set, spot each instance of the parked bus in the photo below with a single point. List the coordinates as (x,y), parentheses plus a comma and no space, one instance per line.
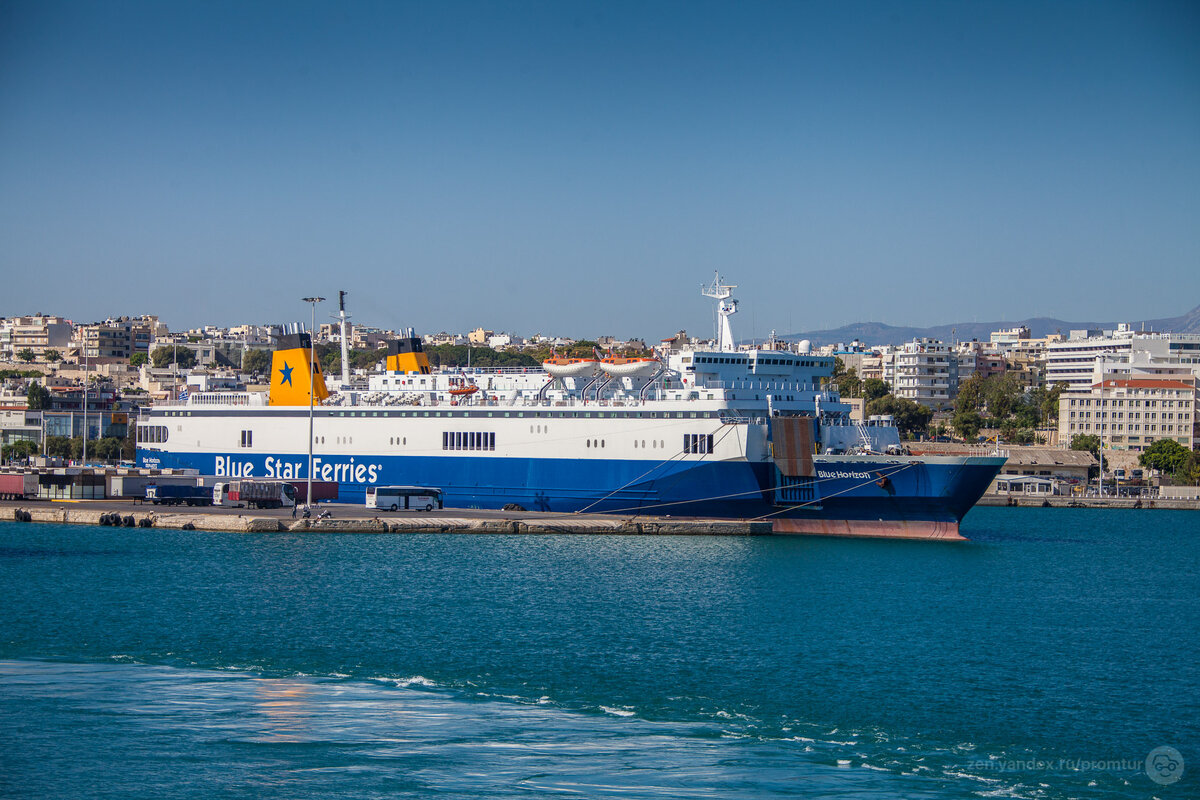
(404,498)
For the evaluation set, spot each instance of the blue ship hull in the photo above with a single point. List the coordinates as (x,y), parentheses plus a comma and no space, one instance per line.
(880,489)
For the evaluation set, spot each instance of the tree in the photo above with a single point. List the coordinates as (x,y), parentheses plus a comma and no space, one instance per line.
(38,397)
(1166,456)
(138,359)
(52,355)
(970,393)
(256,361)
(19,450)
(911,418)
(26,355)
(1086,441)
(129,444)
(107,448)
(58,447)
(873,389)
(1000,392)
(849,384)
(163,357)
(967,424)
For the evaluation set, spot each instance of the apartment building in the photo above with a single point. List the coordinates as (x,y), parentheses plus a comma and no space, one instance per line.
(1072,361)
(923,370)
(116,339)
(1132,404)
(38,333)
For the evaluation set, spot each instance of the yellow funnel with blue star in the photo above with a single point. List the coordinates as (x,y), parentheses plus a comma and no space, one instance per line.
(290,372)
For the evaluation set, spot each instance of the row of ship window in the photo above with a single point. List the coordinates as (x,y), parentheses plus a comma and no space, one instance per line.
(468,440)
(151,434)
(701,443)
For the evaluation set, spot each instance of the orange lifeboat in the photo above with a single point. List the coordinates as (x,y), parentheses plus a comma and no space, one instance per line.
(462,388)
(561,367)
(623,367)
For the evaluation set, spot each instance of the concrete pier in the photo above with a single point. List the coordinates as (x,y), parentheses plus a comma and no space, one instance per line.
(1036,501)
(356,519)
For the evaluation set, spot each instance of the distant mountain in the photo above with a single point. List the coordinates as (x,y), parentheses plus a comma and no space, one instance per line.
(873,333)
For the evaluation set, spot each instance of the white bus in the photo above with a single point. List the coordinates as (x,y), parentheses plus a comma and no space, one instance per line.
(404,498)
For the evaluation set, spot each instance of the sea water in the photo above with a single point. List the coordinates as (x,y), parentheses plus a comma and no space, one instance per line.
(1048,657)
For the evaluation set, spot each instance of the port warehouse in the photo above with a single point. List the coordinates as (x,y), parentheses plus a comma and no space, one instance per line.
(86,483)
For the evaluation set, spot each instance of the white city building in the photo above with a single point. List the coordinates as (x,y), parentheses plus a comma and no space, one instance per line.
(923,370)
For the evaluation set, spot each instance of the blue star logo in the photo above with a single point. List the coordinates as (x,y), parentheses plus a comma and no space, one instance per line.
(287,375)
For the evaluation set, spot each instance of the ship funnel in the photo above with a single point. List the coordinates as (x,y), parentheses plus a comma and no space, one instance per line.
(407,355)
(293,366)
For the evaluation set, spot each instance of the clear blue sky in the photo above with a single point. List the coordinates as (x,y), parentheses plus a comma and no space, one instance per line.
(581,168)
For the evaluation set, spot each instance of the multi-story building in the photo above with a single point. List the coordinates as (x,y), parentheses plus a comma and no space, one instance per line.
(924,371)
(480,336)
(117,339)
(39,333)
(1133,403)
(1071,362)
(978,357)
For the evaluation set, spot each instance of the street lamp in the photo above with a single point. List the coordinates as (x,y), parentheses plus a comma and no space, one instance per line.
(312,356)
(85,399)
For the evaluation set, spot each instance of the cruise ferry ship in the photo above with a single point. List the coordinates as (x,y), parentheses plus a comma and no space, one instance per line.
(710,431)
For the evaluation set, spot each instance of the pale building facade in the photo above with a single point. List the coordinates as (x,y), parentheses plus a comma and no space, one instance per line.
(924,371)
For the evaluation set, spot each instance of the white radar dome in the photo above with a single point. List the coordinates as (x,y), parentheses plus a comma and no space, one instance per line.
(805,346)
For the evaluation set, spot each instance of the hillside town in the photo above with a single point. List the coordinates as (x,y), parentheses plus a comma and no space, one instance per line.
(1067,400)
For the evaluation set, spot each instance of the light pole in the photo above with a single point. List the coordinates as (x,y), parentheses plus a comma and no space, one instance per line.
(85,393)
(312,359)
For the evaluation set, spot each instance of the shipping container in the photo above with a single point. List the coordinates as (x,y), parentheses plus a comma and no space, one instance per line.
(20,485)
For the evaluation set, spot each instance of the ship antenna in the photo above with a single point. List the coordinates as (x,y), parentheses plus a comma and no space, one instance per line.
(726,308)
(345,320)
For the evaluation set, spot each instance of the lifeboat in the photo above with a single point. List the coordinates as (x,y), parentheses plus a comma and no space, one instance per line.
(624,367)
(462,388)
(561,367)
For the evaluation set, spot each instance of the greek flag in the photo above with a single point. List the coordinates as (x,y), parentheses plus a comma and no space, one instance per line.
(183,396)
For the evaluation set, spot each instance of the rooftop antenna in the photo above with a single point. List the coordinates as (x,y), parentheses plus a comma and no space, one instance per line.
(726,308)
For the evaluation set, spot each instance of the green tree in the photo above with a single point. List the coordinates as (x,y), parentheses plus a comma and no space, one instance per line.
(874,389)
(1001,393)
(38,397)
(1086,441)
(52,355)
(58,447)
(1166,456)
(970,394)
(1049,400)
(365,359)
(911,418)
(129,444)
(107,448)
(26,355)
(163,357)
(967,424)
(256,361)
(849,384)
(139,359)
(19,450)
